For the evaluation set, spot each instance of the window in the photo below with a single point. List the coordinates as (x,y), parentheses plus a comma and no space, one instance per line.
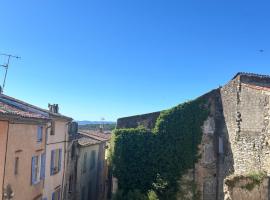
(83,193)
(56,194)
(53,128)
(39,133)
(84,162)
(38,168)
(56,161)
(93,160)
(89,190)
(73,151)
(220,145)
(16,165)
(70,186)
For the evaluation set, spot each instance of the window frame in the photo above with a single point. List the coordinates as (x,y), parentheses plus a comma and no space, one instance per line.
(16,166)
(93,160)
(56,161)
(39,133)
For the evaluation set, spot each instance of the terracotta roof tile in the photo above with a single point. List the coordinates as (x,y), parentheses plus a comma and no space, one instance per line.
(96,135)
(86,141)
(26,106)
(6,109)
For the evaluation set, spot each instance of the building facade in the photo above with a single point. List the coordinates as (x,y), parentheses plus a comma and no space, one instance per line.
(102,183)
(71,160)
(22,154)
(87,168)
(57,137)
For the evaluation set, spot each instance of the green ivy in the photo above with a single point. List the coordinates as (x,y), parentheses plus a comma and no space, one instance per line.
(179,133)
(147,160)
(132,159)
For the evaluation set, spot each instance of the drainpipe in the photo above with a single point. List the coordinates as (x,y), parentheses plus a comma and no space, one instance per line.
(65,157)
(4,175)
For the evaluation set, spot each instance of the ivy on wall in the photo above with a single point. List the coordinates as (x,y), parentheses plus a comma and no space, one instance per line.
(145,160)
(132,159)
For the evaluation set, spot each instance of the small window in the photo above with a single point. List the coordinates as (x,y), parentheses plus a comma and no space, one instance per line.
(84,162)
(73,152)
(53,128)
(16,169)
(93,160)
(39,133)
(70,186)
(35,169)
(83,193)
(56,159)
(220,145)
(89,190)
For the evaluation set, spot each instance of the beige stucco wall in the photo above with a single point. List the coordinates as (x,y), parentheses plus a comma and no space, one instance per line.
(56,141)
(53,181)
(3,139)
(61,129)
(22,143)
(90,176)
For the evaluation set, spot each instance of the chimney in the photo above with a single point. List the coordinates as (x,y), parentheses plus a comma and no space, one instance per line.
(53,108)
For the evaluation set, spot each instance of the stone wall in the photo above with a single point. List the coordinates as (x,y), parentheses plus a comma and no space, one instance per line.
(236,138)
(147,120)
(244,188)
(246,111)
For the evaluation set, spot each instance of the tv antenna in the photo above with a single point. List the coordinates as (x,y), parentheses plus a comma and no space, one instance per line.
(101,126)
(6,65)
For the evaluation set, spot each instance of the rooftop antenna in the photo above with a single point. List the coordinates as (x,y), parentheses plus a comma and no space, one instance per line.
(6,65)
(101,127)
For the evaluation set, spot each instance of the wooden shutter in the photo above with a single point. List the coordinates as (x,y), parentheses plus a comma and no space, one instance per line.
(53,196)
(42,168)
(60,159)
(58,194)
(33,178)
(52,161)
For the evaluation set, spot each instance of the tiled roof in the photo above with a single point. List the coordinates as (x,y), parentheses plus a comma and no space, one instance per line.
(251,75)
(103,137)
(8,109)
(28,107)
(87,141)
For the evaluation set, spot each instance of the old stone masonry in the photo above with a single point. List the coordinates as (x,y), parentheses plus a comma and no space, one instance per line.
(235,147)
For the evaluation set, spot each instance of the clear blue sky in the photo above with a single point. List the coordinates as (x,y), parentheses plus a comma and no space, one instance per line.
(116,58)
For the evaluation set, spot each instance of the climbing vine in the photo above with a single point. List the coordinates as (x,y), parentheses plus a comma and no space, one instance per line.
(132,159)
(147,160)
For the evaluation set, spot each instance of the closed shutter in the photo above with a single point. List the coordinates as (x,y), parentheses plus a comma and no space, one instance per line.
(33,178)
(59,193)
(52,161)
(42,168)
(60,159)
(220,145)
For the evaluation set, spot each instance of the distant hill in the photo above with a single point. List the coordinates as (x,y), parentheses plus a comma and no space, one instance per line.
(84,122)
(95,125)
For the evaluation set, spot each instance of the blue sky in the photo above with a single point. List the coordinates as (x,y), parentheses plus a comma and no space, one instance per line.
(115,58)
